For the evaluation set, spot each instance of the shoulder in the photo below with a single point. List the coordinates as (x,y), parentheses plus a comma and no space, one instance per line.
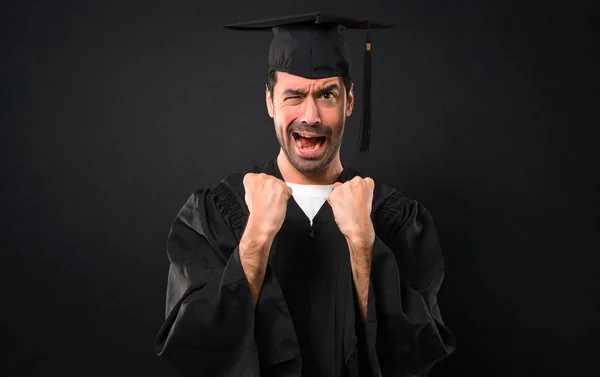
(230,186)
(225,198)
(388,201)
(398,215)
(233,184)
(391,207)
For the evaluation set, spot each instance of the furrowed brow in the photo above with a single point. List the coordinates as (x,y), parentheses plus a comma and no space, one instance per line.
(294,92)
(329,88)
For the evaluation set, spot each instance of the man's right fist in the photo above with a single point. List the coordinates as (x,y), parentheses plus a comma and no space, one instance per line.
(266,198)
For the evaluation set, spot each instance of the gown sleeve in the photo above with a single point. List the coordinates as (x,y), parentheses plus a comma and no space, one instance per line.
(405,332)
(209,325)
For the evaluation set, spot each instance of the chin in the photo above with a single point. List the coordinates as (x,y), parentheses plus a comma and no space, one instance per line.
(309,165)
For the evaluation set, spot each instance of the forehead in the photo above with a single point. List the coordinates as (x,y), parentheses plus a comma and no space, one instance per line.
(289,81)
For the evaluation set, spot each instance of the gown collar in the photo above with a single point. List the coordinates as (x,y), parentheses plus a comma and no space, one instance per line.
(294,212)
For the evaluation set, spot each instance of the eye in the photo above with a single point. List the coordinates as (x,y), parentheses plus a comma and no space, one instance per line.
(328,95)
(292,97)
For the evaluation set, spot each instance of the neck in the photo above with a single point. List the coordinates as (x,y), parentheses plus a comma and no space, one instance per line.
(326,176)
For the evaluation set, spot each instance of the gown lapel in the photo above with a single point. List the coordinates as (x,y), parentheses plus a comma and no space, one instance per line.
(294,212)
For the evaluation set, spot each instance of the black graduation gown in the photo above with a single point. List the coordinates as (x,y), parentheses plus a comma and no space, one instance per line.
(306,322)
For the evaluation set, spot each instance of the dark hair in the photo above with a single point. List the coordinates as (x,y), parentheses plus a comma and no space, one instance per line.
(272,80)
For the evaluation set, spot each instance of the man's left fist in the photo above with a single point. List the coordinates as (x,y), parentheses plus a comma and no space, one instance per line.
(351,203)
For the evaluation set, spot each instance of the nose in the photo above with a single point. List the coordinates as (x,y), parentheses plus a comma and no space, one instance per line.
(310,112)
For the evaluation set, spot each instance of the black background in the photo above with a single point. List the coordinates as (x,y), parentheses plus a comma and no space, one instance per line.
(113,112)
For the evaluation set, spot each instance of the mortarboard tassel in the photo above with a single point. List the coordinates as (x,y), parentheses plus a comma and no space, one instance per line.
(365,129)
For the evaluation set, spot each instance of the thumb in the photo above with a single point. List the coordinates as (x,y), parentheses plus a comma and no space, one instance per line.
(337,184)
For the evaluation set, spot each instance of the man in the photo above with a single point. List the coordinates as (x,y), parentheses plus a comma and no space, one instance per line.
(301,266)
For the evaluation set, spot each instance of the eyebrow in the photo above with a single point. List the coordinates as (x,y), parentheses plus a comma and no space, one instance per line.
(302,92)
(328,88)
(294,92)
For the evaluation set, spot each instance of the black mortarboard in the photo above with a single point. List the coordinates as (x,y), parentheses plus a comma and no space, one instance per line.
(312,46)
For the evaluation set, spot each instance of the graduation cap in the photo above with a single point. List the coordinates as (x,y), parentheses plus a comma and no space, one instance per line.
(312,46)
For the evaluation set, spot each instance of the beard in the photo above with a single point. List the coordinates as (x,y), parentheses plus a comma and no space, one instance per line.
(307,165)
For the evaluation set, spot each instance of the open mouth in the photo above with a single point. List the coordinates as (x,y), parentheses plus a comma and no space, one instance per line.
(308,143)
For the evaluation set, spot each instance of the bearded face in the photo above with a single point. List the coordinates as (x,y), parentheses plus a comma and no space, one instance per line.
(309,117)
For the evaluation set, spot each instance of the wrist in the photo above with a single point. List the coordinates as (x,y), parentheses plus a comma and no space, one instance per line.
(259,231)
(254,247)
(361,238)
(262,228)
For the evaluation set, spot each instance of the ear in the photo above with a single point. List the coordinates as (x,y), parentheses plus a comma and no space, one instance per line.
(350,101)
(269,100)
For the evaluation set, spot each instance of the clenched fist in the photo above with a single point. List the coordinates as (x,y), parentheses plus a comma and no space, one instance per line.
(266,198)
(351,203)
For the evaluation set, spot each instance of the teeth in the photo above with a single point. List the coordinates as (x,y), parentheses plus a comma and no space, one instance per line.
(317,145)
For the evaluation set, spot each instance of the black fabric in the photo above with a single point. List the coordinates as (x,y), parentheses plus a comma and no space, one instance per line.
(365,122)
(306,322)
(309,45)
(316,52)
(316,18)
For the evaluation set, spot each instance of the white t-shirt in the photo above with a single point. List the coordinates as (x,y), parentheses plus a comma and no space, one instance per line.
(310,197)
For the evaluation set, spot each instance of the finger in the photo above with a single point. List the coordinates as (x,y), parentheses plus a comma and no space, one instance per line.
(370,182)
(331,196)
(337,184)
(247,177)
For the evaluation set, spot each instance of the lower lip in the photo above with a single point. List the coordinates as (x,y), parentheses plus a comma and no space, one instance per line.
(306,152)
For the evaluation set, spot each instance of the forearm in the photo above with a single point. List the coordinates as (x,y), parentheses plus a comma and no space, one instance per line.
(361,249)
(254,249)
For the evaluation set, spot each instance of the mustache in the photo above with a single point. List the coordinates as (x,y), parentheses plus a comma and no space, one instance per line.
(319,130)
